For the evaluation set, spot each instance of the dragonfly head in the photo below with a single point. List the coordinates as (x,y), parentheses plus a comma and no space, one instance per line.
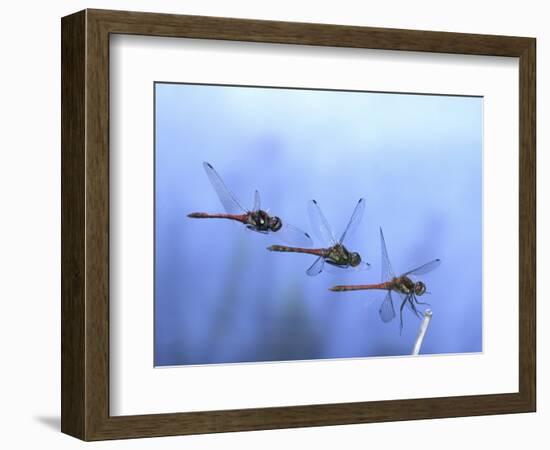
(419,288)
(354,259)
(275,223)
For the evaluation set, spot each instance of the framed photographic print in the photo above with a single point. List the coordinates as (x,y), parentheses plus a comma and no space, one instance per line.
(258,217)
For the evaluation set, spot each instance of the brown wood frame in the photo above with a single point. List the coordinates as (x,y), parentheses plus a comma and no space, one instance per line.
(85,224)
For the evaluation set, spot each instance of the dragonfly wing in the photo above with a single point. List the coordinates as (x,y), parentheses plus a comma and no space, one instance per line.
(319,224)
(227,199)
(387,271)
(292,235)
(386,311)
(317,267)
(425,268)
(355,219)
(257,201)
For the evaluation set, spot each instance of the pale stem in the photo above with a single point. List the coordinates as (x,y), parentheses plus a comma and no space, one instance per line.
(422,331)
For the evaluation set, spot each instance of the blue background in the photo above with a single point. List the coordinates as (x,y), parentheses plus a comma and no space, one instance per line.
(220,297)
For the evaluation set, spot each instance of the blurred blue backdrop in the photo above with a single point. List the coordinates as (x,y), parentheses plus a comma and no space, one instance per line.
(220,297)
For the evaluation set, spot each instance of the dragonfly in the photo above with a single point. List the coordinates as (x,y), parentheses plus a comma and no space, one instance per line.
(256,219)
(401,285)
(335,254)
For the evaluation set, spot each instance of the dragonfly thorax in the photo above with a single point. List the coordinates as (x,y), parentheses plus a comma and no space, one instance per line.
(405,285)
(263,222)
(340,256)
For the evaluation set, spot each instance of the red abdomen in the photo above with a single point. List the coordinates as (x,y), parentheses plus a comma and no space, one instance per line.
(387,285)
(238,217)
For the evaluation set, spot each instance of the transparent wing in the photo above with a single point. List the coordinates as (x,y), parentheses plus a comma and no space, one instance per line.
(317,267)
(387,271)
(320,225)
(227,199)
(386,311)
(257,201)
(425,268)
(355,219)
(292,235)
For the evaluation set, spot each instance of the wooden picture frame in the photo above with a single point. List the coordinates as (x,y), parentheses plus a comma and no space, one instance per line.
(85,224)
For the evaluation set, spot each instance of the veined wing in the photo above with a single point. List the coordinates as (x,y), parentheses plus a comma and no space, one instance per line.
(386,311)
(292,235)
(320,225)
(227,199)
(355,219)
(425,268)
(387,271)
(257,201)
(317,267)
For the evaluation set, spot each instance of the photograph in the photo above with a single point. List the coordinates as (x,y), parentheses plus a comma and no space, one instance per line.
(243,225)
(297,224)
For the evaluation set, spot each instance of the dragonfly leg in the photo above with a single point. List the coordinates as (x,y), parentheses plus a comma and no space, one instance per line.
(420,303)
(423,303)
(411,302)
(405,300)
(253,228)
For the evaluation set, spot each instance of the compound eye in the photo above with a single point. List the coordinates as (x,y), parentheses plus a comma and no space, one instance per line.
(420,288)
(276,224)
(355,259)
